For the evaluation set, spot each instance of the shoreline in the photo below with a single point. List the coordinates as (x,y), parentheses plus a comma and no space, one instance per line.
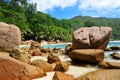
(71,42)
(114,41)
(48,44)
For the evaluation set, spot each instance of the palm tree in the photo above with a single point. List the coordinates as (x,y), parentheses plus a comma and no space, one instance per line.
(14,3)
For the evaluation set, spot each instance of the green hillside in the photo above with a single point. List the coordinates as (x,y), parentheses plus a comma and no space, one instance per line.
(114,23)
(33,23)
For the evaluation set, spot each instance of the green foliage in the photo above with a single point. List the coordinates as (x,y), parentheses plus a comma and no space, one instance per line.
(89,23)
(114,23)
(33,23)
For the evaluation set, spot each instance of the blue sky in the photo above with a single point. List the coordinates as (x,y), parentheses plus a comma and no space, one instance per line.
(70,8)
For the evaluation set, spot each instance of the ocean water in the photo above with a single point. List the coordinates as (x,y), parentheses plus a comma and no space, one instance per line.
(113,43)
(63,45)
(108,53)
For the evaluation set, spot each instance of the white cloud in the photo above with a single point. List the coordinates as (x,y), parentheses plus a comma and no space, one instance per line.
(44,5)
(101,7)
(99,4)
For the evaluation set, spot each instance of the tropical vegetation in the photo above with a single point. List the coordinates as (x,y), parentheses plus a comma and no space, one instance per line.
(33,23)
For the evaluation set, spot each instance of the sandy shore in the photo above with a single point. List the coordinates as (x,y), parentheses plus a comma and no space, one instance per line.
(74,70)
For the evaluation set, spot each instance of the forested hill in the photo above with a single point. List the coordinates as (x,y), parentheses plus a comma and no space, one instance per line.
(88,21)
(33,23)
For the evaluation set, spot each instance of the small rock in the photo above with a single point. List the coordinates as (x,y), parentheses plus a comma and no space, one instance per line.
(58,41)
(34,45)
(62,76)
(108,49)
(53,58)
(62,66)
(116,56)
(68,49)
(45,50)
(55,50)
(115,47)
(42,65)
(22,56)
(27,42)
(35,52)
(62,51)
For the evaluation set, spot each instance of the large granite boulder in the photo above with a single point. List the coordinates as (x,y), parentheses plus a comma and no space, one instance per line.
(110,74)
(13,69)
(88,55)
(10,36)
(91,38)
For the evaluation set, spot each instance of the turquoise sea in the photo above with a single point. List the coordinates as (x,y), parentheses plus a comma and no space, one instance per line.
(63,45)
(114,43)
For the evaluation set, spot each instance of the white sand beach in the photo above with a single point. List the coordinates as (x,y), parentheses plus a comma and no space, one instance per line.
(74,70)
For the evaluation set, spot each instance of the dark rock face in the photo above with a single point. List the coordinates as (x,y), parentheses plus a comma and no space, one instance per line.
(68,49)
(91,38)
(42,65)
(12,69)
(88,55)
(110,65)
(62,76)
(10,36)
(115,48)
(62,66)
(110,74)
